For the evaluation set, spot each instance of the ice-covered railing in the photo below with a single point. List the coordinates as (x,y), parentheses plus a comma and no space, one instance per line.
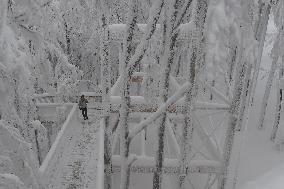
(48,111)
(43,98)
(52,165)
(46,98)
(100,167)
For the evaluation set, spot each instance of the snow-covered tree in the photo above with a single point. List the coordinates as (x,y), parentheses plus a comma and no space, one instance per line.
(276,53)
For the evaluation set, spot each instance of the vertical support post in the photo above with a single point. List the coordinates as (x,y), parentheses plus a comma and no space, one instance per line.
(227,179)
(260,35)
(279,96)
(196,63)
(169,43)
(37,147)
(106,85)
(245,96)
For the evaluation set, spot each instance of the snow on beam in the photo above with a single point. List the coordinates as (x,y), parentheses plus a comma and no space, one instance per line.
(144,165)
(208,142)
(152,108)
(210,106)
(172,137)
(117,31)
(115,89)
(52,105)
(139,104)
(41,95)
(98,93)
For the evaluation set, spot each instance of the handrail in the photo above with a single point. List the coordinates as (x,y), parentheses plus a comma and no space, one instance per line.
(44,104)
(41,95)
(56,143)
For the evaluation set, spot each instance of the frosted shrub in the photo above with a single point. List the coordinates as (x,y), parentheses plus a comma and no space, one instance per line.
(19,154)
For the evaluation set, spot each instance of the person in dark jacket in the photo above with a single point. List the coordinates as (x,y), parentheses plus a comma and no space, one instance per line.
(83,106)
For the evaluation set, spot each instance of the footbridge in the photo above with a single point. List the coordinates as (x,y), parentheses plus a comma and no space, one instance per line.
(206,158)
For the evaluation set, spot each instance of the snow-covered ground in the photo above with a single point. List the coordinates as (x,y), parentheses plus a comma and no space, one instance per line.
(261,164)
(273,179)
(80,166)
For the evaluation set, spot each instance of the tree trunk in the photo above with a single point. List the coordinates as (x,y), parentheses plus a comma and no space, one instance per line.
(233,120)
(232,61)
(37,147)
(125,96)
(168,55)
(279,97)
(105,82)
(245,97)
(261,32)
(170,35)
(196,59)
(68,40)
(267,91)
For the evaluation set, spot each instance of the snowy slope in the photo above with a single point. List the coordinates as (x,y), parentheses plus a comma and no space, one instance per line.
(262,165)
(273,179)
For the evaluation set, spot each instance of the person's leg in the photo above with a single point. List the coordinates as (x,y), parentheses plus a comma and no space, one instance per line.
(86,113)
(83,113)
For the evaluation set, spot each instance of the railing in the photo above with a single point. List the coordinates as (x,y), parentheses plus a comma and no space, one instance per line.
(45,98)
(47,111)
(100,164)
(63,143)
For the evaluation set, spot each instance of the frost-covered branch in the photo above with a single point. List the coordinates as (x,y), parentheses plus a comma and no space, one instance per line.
(196,62)
(279,96)
(260,33)
(269,84)
(182,13)
(143,45)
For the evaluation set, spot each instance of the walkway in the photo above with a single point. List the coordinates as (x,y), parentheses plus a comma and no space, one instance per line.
(79,172)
